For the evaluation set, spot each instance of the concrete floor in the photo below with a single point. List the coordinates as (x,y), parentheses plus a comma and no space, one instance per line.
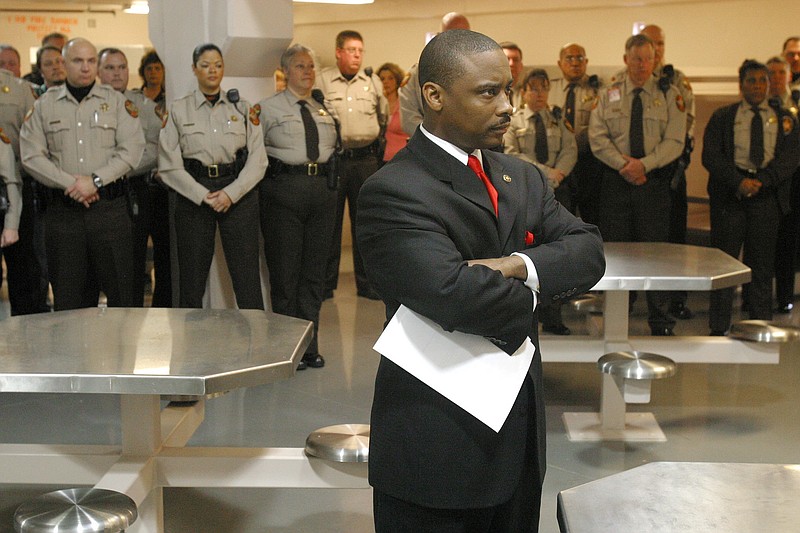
(726,413)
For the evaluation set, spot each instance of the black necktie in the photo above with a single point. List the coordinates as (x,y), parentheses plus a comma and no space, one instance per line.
(312,135)
(540,147)
(756,138)
(637,126)
(570,105)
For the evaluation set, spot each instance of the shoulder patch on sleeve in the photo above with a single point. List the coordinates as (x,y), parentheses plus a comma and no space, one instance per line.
(255,112)
(788,125)
(4,137)
(680,103)
(131,108)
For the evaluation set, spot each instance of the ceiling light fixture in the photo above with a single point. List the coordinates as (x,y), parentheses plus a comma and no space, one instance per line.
(137,7)
(335,1)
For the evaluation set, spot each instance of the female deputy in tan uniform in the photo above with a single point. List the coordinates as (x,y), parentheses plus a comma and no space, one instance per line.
(211,151)
(298,198)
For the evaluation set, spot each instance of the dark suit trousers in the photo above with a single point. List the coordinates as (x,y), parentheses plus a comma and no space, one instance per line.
(353,172)
(89,250)
(297,213)
(520,514)
(195,228)
(678,213)
(638,213)
(753,224)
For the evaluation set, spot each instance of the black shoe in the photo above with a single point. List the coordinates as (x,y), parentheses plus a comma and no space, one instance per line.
(716,333)
(556,329)
(314,360)
(661,332)
(784,309)
(301,365)
(679,310)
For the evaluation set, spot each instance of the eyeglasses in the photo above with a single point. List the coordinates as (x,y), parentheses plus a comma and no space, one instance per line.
(353,51)
(574,59)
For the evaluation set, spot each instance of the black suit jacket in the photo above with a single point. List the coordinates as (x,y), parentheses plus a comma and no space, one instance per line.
(420,218)
(718,154)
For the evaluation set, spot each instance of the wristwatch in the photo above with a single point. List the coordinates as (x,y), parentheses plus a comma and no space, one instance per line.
(98,181)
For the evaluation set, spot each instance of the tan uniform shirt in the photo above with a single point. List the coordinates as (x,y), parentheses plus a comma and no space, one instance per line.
(520,140)
(411,102)
(285,134)
(359,103)
(741,134)
(150,116)
(664,124)
(585,98)
(193,129)
(10,177)
(16,99)
(63,138)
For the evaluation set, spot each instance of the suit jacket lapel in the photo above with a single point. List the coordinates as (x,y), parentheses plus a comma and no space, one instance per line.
(446,168)
(508,195)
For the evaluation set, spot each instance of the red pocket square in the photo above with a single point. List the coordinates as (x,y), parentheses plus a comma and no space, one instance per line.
(528,238)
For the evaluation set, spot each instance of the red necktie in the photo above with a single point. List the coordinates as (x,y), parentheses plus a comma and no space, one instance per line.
(476,167)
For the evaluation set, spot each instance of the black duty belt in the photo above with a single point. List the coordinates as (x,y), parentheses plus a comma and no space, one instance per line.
(356,153)
(199,170)
(750,173)
(110,191)
(307,169)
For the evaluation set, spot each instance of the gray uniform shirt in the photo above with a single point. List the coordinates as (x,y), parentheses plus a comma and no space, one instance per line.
(585,98)
(520,140)
(664,125)
(193,129)
(411,102)
(284,132)
(10,177)
(150,115)
(16,99)
(359,103)
(63,138)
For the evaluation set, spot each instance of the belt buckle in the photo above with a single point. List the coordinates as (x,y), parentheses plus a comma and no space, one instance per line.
(312,169)
(213,171)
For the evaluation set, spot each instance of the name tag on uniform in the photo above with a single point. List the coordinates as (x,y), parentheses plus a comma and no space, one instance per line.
(614,95)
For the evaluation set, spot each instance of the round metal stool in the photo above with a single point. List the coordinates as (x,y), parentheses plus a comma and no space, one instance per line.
(345,443)
(80,510)
(763,331)
(637,365)
(589,303)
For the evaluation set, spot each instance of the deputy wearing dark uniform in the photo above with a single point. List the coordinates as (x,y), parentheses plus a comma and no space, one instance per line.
(362,109)
(81,140)
(298,198)
(750,151)
(211,151)
(636,131)
(540,135)
(575,93)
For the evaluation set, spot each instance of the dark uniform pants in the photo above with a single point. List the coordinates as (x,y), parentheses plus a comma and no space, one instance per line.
(89,250)
(787,248)
(353,172)
(297,213)
(638,213)
(152,220)
(752,223)
(195,229)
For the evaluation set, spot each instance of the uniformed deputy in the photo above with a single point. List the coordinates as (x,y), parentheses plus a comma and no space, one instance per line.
(211,151)
(791,53)
(750,150)
(514,55)
(80,141)
(411,92)
(113,71)
(789,227)
(575,93)
(362,109)
(50,64)
(540,135)
(637,131)
(11,197)
(297,204)
(27,286)
(679,206)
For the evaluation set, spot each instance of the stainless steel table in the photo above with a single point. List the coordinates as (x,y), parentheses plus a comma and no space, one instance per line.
(666,497)
(141,354)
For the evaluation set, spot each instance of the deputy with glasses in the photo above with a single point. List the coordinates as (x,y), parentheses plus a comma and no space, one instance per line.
(358,100)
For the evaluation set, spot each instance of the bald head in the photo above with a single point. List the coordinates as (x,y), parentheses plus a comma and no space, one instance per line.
(80,57)
(656,35)
(455,21)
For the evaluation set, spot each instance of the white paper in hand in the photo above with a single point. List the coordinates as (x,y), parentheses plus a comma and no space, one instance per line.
(467,369)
